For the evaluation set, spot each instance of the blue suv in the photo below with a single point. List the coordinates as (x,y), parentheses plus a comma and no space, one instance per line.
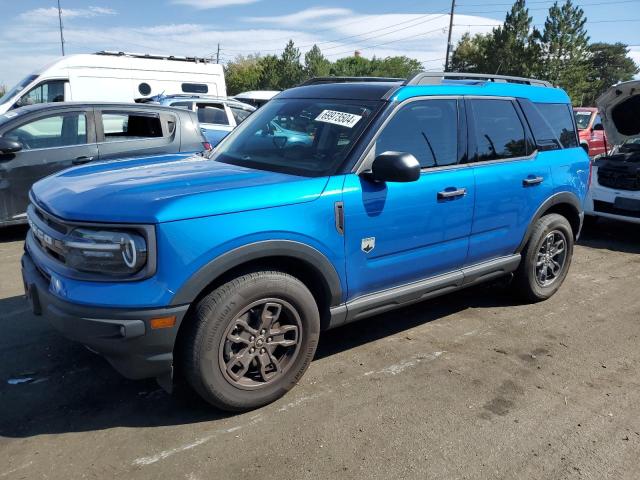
(224,270)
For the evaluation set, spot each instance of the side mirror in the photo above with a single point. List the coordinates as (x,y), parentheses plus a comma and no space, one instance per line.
(598,126)
(395,167)
(9,146)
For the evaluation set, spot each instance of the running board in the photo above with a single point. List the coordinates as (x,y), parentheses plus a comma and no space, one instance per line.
(397,297)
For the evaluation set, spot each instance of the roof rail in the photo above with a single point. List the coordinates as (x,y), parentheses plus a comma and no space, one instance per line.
(319,80)
(114,53)
(435,78)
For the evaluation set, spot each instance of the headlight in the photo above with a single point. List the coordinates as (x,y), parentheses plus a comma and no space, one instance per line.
(104,251)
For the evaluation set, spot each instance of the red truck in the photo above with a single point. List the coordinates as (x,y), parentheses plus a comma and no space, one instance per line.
(590,130)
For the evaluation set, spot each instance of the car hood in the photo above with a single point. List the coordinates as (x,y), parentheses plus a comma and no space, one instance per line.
(620,111)
(166,188)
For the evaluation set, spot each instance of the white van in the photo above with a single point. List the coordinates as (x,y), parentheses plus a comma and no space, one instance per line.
(116,77)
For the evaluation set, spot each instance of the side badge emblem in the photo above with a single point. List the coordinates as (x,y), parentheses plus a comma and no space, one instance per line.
(368,244)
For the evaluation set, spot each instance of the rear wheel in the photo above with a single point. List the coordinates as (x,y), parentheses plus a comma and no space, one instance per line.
(545,259)
(251,340)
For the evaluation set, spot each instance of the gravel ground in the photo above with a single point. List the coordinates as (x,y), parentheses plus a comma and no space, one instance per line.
(472,385)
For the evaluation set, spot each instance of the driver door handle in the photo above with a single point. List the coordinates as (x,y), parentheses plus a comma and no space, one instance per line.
(445,194)
(531,180)
(81,160)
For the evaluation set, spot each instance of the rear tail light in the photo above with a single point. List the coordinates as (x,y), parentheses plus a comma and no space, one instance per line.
(207,146)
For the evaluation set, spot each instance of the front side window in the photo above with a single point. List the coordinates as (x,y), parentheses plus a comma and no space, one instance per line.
(50,132)
(47,92)
(499,134)
(17,88)
(309,137)
(130,126)
(558,116)
(212,113)
(427,129)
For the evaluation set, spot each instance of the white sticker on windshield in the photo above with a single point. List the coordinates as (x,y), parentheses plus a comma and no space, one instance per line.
(338,118)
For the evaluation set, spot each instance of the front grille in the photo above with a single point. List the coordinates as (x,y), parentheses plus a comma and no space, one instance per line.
(619,180)
(606,207)
(48,232)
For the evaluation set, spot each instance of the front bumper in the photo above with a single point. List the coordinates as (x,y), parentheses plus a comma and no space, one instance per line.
(123,336)
(606,198)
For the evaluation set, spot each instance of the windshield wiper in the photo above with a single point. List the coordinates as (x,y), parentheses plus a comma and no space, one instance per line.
(433,154)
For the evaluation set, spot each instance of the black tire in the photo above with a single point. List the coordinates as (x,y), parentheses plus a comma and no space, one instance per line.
(207,351)
(527,283)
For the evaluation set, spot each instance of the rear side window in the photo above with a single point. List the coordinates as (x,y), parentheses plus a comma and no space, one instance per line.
(130,126)
(428,129)
(239,114)
(560,118)
(212,113)
(195,88)
(498,131)
(50,132)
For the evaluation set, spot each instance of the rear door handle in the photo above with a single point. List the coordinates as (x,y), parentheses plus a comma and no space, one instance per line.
(531,180)
(81,160)
(446,194)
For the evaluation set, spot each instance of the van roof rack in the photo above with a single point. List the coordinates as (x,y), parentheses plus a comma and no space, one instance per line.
(436,78)
(114,53)
(319,80)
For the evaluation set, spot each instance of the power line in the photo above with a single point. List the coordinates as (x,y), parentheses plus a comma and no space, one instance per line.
(60,22)
(543,8)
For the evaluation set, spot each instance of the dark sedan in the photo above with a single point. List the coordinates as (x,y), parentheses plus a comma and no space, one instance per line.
(39,140)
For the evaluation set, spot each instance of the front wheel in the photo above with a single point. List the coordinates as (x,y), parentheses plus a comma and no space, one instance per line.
(251,340)
(546,259)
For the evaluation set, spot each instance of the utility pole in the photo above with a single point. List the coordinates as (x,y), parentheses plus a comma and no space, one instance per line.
(449,46)
(60,21)
(218,54)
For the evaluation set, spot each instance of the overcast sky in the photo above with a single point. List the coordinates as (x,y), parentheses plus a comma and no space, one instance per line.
(30,37)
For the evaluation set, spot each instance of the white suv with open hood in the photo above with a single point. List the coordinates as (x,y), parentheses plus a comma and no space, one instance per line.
(615,178)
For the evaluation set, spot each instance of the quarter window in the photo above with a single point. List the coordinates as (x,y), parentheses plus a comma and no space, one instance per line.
(240,114)
(427,129)
(560,118)
(50,132)
(129,126)
(499,134)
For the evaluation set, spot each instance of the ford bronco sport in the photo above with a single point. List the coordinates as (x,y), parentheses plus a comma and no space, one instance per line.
(224,270)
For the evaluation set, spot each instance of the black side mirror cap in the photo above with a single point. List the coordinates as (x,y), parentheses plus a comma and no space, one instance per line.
(394,167)
(9,146)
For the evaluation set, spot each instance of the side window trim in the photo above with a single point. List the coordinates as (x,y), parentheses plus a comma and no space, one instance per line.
(472,147)
(364,161)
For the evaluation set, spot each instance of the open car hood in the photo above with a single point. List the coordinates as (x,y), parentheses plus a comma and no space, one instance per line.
(620,111)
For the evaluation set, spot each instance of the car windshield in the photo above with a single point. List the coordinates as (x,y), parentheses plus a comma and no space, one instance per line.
(297,136)
(17,89)
(582,118)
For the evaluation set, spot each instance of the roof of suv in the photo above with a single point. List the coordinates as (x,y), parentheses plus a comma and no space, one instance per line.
(398,89)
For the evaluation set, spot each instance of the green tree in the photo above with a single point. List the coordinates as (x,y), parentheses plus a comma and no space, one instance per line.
(510,49)
(398,67)
(609,64)
(243,74)
(290,71)
(316,64)
(470,55)
(352,67)
(269,73)
(564,47)
(3,89)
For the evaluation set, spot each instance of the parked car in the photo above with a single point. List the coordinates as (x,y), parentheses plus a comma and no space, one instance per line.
(217,115)
(115,77)
(42,139)
(257,98)
(226,269)
(615,179)
(593,138)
